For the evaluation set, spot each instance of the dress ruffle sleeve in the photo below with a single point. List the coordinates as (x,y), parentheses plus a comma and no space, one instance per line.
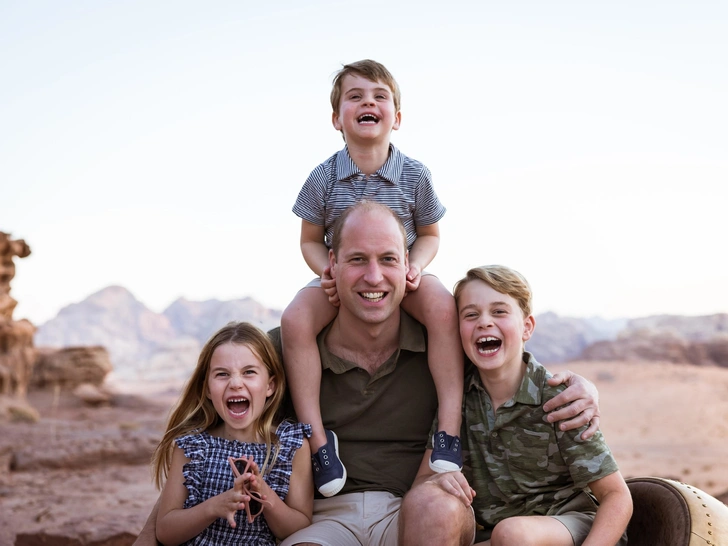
(194,447)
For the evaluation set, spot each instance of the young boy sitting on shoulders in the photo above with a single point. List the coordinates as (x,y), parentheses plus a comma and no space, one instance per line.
(366,108)
(534,484)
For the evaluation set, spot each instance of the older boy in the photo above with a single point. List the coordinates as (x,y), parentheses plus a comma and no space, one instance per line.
(533,483)
(366,108)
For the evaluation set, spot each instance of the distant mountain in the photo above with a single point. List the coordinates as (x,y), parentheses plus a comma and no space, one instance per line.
(142,344)
(149,346)
(702,341)
(559,339)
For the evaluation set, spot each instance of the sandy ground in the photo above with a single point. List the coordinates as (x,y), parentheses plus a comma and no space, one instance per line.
(81,472)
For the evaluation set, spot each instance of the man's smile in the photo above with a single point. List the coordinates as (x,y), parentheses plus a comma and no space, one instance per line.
(372,296)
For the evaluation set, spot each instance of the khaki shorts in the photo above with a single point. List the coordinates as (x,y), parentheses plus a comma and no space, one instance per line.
(577,516)
(354,519)
(357,519)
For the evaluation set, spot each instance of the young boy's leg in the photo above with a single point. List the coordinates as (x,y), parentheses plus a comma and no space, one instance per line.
(434,306)
(303,319)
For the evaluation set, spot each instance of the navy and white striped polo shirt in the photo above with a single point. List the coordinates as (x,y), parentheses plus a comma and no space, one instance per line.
(402,183)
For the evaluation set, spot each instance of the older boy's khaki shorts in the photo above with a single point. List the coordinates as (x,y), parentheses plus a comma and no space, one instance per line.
(577,516)
(370,519)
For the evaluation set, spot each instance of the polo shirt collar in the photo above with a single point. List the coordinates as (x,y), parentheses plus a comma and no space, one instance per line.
(411,338)
(530,390)
(391,171)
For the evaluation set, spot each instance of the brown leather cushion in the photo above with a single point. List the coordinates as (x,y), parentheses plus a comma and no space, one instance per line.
(670,513)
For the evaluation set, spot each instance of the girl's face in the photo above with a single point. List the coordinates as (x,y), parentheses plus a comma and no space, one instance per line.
(238,385)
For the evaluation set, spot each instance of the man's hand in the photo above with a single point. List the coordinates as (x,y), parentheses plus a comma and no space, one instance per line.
(329,286)
(455,484)
(578,405)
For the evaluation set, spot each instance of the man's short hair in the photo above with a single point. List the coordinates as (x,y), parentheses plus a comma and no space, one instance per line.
(372,71)
(364,205)
(501,279)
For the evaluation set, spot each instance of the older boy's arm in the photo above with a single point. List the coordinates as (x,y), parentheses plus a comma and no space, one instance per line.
(313,247)
(423,252)
(580,401)
(148,534)
(614,512)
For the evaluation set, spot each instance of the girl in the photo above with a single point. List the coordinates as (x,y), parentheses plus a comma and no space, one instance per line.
(227,415)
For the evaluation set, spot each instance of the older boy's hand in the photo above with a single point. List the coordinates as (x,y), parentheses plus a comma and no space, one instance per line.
(329,286)
(576,406)
(414,275)
(455,484)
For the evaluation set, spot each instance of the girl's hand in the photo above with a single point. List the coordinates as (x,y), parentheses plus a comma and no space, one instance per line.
(329,286)
(226,505)
(252,486)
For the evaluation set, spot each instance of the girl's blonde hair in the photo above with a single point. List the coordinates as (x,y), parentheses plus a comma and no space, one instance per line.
(195,412)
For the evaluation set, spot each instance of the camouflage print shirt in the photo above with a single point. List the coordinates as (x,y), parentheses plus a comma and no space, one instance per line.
(518,463)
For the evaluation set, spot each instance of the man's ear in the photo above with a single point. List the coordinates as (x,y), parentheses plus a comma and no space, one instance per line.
(332,263)
(529,325)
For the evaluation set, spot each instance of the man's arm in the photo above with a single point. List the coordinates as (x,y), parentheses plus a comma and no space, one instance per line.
(576,406)
(148,534)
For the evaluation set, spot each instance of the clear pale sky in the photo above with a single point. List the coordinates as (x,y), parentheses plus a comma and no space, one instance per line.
(160,145)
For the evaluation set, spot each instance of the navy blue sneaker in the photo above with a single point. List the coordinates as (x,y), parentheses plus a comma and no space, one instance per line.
(329,475)
(446,453)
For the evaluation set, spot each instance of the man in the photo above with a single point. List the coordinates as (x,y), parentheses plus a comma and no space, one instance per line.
(380,400)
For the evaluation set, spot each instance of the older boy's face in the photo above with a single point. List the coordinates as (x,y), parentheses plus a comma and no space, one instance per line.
(366,112)
(492,326)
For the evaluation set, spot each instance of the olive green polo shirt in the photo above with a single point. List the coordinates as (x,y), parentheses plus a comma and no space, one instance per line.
(382,420)
(518,463)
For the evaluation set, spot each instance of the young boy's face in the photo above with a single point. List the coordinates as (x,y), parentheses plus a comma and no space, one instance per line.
(492,326)
(366,111)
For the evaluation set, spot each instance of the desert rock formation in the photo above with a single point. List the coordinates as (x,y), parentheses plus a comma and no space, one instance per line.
(17,354)
(666,345)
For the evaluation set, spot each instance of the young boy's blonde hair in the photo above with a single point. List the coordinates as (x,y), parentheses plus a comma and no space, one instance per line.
(501,279)
(372,71)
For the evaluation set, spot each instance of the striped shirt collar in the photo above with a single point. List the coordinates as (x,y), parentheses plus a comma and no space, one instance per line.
(391,171)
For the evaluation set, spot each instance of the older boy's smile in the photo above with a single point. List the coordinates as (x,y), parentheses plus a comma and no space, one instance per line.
(488,345)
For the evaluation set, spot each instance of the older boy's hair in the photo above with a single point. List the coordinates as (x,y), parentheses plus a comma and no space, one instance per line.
(501,279)
(366,205)
(372,71)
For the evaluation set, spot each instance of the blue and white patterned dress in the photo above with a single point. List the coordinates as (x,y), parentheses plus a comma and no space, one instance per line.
(208,474)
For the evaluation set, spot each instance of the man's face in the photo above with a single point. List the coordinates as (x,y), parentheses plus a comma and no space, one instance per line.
(371,266)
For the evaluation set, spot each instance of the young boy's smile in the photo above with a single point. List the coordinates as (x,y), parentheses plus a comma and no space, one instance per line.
(366,111)
(492,327)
